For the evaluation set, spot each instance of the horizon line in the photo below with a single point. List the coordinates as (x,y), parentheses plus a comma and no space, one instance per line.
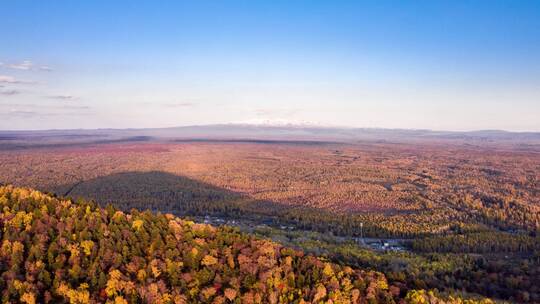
(292,126)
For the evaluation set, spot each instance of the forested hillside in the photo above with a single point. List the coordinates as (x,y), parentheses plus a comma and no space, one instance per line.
(394,190)
(54,251)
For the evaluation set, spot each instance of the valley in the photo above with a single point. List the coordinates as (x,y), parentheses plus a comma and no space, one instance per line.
(427,215)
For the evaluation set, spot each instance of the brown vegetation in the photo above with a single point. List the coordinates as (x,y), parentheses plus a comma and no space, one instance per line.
(428,185)
(56,251)
(471,213)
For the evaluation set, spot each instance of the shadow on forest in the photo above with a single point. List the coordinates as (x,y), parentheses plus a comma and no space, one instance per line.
(179,195)
(162,191)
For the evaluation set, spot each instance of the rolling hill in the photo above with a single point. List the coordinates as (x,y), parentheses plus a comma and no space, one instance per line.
(54,250)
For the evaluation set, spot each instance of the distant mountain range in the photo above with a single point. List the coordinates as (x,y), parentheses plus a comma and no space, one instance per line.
(264,132)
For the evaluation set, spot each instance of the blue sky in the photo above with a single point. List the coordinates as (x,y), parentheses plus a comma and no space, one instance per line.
(452,65)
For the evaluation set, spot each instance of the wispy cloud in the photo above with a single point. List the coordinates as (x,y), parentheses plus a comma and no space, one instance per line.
(26,110)
(18,106)
(180,105)
(25,65)
(13,80)
(62,97)
(276,112)
(9,92)
(183,104)
(21,113)
(8,79)
(37,114)
(71,107)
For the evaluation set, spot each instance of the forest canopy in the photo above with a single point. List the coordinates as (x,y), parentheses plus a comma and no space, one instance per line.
(54,250)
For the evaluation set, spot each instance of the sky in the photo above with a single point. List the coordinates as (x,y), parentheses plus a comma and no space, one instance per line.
(442,65)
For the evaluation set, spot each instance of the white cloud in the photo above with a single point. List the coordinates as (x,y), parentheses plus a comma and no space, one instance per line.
(12,80)
(25,65)
(8,79)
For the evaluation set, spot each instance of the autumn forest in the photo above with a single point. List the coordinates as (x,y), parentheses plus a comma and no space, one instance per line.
(270,222)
